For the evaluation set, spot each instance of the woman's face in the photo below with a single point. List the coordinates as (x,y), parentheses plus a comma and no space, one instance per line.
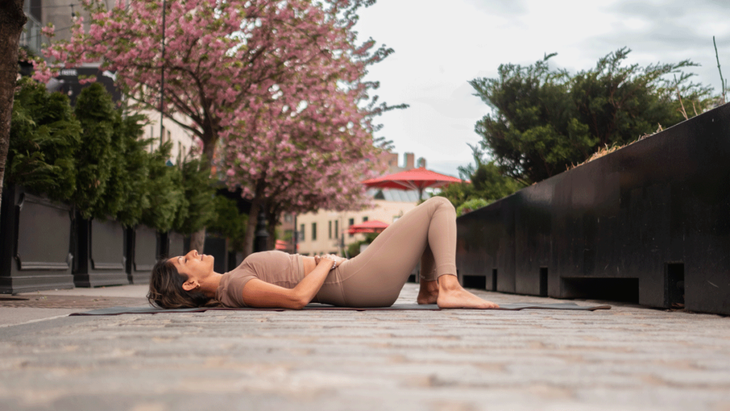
(195,266)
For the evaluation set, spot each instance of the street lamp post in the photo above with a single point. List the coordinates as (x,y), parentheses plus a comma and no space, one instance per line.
(162,69)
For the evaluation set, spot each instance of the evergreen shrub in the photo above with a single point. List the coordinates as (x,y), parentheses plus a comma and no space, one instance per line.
(199,206)
(44,140)
(229,222)
(166,195)
(95,157)
(95,161)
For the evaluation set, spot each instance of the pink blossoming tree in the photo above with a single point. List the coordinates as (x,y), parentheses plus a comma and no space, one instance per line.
(302,159)
(278,83)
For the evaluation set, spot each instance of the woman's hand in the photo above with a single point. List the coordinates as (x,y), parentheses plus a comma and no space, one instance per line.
(332,259)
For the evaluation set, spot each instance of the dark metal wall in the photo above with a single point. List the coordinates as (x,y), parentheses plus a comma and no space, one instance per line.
(100,253)
(35,242)
(649,222)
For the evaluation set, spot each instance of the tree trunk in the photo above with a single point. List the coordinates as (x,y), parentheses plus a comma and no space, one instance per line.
(197,239)
(250,235)
(12,20)
(273,221)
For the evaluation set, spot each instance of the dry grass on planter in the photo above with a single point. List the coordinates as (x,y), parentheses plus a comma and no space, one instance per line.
(602,151)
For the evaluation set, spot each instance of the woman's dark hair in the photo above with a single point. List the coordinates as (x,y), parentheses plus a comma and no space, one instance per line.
(166,289)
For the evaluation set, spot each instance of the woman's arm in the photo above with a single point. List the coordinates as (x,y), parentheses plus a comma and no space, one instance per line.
(257,293)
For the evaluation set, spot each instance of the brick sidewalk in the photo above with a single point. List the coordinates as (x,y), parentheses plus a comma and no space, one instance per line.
(627,358)
(81,302)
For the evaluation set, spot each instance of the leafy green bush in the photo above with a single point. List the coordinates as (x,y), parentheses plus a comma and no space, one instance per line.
(471,205)
(136,167)
(95,111)
(95,157)
(354,248)
(198,209)
(486,182)
(543,120)
(166,195)
(114,198)
(44,139)
(229,222)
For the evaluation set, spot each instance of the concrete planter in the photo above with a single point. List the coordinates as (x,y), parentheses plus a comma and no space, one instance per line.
(649,223)
(35,242)
(101,254)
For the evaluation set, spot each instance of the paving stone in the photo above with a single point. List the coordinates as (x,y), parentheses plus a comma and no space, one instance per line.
(627,358)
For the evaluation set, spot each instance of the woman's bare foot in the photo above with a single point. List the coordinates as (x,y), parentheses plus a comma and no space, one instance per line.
(452,295)
(429,292)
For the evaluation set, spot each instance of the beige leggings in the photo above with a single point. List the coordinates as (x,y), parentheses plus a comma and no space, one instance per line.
(376,276)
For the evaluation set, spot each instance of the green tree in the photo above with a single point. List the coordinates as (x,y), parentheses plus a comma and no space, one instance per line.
(482,180)
(95,111)
(229,222)
(114,197)
(136,165)
(471,205)
(166,195)
(354,248)
(44,139)
(199,207)
(544,120)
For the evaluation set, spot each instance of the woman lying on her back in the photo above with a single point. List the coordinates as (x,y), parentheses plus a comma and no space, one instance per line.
(374,278)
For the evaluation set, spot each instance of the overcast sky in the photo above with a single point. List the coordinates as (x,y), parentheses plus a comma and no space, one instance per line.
(440,45)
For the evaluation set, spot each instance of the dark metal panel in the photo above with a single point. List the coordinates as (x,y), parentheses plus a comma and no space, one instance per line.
(107,245)
(654,215)
(34,245)
(142,252)
(176,244)
(532,236)
(485,242)
(474,256)
(101,246)
(217,246)
(145,248)
(36,249)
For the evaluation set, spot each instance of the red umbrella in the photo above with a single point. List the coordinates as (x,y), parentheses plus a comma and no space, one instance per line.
(413,179)
(281,245)
(373,226)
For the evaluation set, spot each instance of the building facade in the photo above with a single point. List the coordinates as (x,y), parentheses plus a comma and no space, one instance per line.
(325,231)
(61,13)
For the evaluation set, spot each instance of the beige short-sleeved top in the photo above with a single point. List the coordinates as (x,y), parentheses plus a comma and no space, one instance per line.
(275,267)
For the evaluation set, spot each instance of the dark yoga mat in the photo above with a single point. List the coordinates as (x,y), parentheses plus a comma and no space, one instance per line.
(427,307)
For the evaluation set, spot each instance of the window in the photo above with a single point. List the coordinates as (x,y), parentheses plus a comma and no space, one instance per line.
(314,231)
(337,228)
(364,219)
(301,233)
(287,218)
(330,229)
(350,223)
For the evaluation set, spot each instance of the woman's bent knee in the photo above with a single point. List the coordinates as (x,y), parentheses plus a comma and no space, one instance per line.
(438,199)
(441,201)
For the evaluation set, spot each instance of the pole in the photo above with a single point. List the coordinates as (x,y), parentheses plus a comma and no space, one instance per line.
(262,235)
(296,234)
(162,69)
